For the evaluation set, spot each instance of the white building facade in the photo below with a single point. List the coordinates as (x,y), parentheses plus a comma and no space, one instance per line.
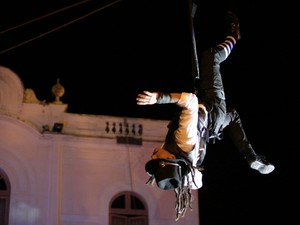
(60,168)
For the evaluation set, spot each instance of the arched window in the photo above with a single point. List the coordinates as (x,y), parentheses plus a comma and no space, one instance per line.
(127,208)
(4,198)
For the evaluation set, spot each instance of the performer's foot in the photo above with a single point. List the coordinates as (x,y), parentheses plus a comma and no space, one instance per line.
(260,164)
(233,25)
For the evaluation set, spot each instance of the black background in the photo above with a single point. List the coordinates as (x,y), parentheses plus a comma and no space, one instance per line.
(104,59)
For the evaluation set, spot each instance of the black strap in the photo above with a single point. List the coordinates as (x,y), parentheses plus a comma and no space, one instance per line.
(195,63)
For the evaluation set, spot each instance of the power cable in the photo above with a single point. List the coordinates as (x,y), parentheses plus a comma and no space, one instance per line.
(42,17)
(57,28)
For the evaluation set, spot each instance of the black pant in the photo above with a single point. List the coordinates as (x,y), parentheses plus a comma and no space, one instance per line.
(233,127)
(211,94)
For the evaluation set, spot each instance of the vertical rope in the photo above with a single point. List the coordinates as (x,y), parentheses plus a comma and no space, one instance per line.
(129,157)
(195,62)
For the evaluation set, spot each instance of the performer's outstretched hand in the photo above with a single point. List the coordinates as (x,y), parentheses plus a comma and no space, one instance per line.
(147,98)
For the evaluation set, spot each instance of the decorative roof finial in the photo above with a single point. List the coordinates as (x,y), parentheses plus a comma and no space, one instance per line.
(58,91)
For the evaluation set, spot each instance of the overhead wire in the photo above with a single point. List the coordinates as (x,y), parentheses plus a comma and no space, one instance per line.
(56,28)
(42,17)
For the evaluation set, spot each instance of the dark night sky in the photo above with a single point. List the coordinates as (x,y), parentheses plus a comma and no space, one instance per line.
(105,59)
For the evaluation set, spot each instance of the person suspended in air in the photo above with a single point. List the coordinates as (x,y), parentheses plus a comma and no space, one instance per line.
(204,116)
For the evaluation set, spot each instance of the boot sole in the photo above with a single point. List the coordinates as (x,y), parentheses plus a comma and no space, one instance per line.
(262,168)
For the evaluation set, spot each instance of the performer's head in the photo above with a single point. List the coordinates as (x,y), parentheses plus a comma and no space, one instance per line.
(171,172)
(168,173)
(177,174)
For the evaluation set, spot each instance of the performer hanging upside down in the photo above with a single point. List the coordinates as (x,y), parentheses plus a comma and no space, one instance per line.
(211,92)
(176,165)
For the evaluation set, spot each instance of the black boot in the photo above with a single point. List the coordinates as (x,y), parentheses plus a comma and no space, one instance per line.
(233,25)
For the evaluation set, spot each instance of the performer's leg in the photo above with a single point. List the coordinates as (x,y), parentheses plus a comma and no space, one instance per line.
(211,90)
(234,128)
(211,59)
